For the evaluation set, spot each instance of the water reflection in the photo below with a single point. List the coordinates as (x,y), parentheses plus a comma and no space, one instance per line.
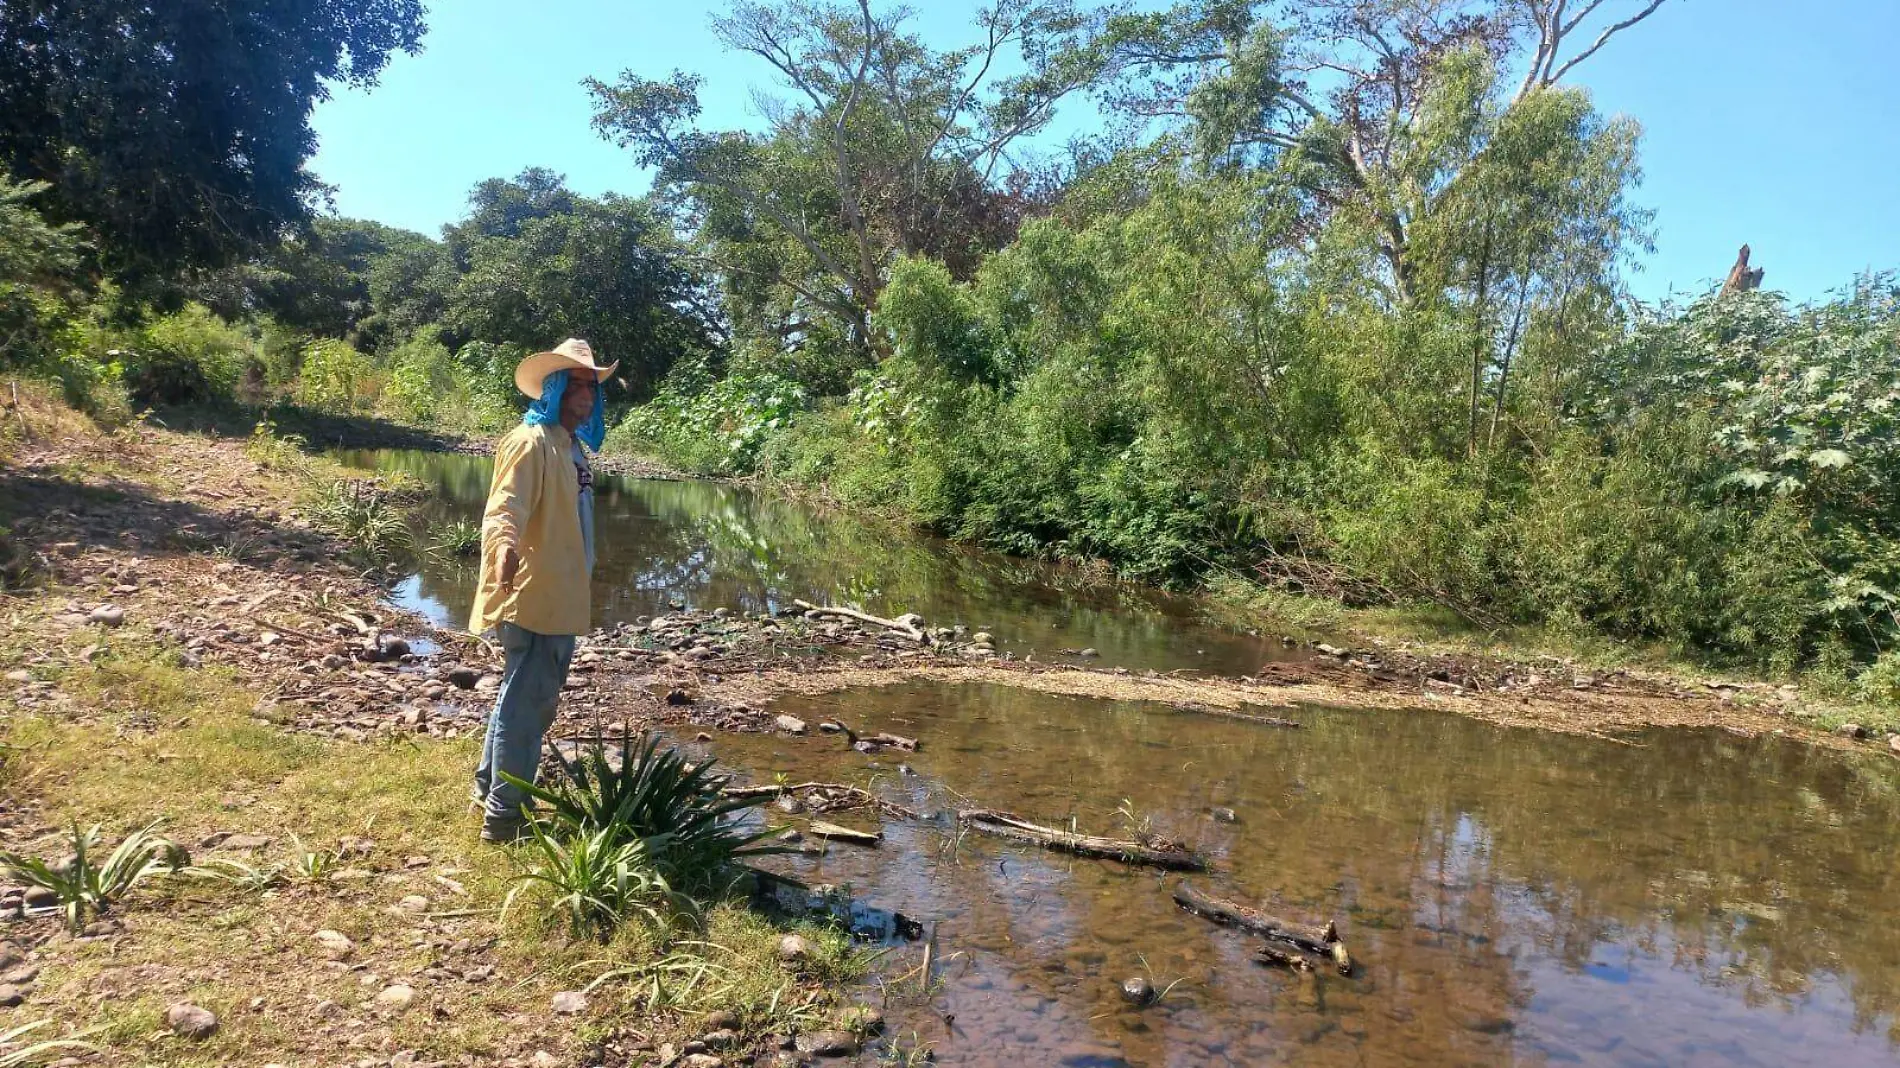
(711,546)
(1693,898)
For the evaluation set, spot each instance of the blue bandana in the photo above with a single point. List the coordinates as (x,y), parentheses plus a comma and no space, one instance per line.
(547,411)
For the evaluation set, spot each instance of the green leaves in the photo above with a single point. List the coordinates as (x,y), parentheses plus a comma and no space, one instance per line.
(85,886)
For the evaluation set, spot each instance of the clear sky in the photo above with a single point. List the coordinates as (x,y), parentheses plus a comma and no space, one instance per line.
(1774,122)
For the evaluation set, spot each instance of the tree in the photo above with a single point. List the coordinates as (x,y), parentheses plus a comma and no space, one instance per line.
(1344,91)
(885,147)
(178,132)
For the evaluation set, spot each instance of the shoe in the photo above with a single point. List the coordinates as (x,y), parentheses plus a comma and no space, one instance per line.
(506,832)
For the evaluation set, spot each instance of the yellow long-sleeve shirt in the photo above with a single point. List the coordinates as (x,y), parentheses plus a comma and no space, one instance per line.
(534,506)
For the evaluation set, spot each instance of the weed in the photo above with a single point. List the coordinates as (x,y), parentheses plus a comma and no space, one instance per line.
(14,1053)
(280,453)
(312,865)
(366,517)
(84,887)
(240,876)
(917,1053)
(458,539)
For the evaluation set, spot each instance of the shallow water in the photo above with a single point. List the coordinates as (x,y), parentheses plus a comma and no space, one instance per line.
(1690,898)
(1509,896)
(708,545)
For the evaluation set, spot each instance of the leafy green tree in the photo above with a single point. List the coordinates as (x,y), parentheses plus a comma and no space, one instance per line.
(178,132)
(38,260)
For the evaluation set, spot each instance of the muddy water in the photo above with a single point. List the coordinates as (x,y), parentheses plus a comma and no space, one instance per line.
(1510,896)
(706,545)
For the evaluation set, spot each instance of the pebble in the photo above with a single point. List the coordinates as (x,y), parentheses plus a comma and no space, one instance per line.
(790,724)
(191,1021)
(1089,654)
(982,637)
(1138,991)
(414,903)
(109,615)
(828,1043)
(10,995)
(10,955)
(569,1003)
(396,998)
(701,1060)
(461,678)
(20,675)
(720,1039)
(336,945)
(543,1059)
(1851,730)
(793,949)
(246,842)
(722,1020)
(1224,815)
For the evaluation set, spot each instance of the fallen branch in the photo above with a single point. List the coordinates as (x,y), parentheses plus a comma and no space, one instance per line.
(282,628)
(1158,853)
(1322,941)
(845,834)
(905,629)
(862,796)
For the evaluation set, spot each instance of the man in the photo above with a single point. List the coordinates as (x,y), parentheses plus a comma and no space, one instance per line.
(537,553)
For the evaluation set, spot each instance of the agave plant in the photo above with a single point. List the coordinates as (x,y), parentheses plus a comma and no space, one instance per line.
(688,827)
(15,1053)
(85,886)
(599,879)
(460,538)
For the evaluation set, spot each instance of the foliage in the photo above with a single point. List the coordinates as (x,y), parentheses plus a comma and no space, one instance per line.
(86,886)
(335,377)
(716,430)
(460,538)
(16,1053)
(648,794)
(178,147)
(188,357)
(365,516)
(598,878)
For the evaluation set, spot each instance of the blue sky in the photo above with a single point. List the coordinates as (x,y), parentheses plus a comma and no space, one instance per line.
(1766,121)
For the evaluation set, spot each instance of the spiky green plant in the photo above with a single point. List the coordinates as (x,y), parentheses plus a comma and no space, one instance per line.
(365,516)
(83,886)
(313,865)
(458,539)
(599,879)
(239,875)
(689,829)
(15,1053)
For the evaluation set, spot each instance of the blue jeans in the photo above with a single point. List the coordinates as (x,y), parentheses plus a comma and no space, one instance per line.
(531,680)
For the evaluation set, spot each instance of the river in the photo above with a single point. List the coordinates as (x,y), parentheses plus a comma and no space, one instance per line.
(1510,896)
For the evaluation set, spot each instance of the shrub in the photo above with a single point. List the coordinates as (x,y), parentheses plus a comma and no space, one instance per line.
(86,886)
(188,357)
(336,378)
(598,879)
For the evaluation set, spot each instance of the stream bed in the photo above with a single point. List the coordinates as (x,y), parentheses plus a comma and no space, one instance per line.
(1510,896)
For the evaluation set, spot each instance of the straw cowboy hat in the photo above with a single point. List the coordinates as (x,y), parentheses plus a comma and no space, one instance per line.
(572,354)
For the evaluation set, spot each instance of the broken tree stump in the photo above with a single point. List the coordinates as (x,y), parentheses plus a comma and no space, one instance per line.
(1154,852)
(1322,942)
(1740,278)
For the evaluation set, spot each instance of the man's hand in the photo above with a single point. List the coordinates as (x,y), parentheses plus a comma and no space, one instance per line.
(510,563)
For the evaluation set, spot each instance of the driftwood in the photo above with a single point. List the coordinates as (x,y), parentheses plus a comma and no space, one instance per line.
(870,743)
(840,796)
(845,834)
(1155,852)
(1284,958)
(1322,942)
(902,628)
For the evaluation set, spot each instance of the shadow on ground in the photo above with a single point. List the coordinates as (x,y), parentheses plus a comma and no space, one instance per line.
(319,430)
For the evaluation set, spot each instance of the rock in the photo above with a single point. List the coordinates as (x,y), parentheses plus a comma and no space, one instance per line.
(784,1058)
(246,842)
(720,1039)
(10,955)
(414,717)
(39,897)
(795,949)
(721,613)
(790,724)
(569,1003)
(191,1021)
(701,1060)
(1851,730)
(678,697)
(10,995)
(722,1020)
(107,615)
(828,1043)
(332,661)
(1224,815)
(462,678)
(1138,991)
(396,998)
(414,903)
(1331,650)
(863,1019)
(788,804)
(982,637)
(335,945)
(1893,743)
(21,675)
(327,1010)
(543,1059)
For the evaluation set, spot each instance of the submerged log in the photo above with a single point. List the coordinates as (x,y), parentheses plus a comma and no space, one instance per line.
(900,626)
(1284,958)
(1155,852)
(1321,941)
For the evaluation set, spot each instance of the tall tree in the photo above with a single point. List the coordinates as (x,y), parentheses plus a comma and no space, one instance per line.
(179,131)
(881,146)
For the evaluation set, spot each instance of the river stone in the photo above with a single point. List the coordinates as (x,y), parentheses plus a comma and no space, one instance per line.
(722,1020)
(21,675)
(9,955)
(191,1021)
(110,615)
(794,949)
(10,995)
(720,1039)
(790,724)
(1138,991)
(1224,815)
(569,1003)
(1088,654)
(336,945)
(396,998)
(702,1060)
(246,842)
(1893,743)
(1851,730)
(461,678)
(828,1043)
(982,637)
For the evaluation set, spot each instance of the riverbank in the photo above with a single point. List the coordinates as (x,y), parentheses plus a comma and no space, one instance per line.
(184,645)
